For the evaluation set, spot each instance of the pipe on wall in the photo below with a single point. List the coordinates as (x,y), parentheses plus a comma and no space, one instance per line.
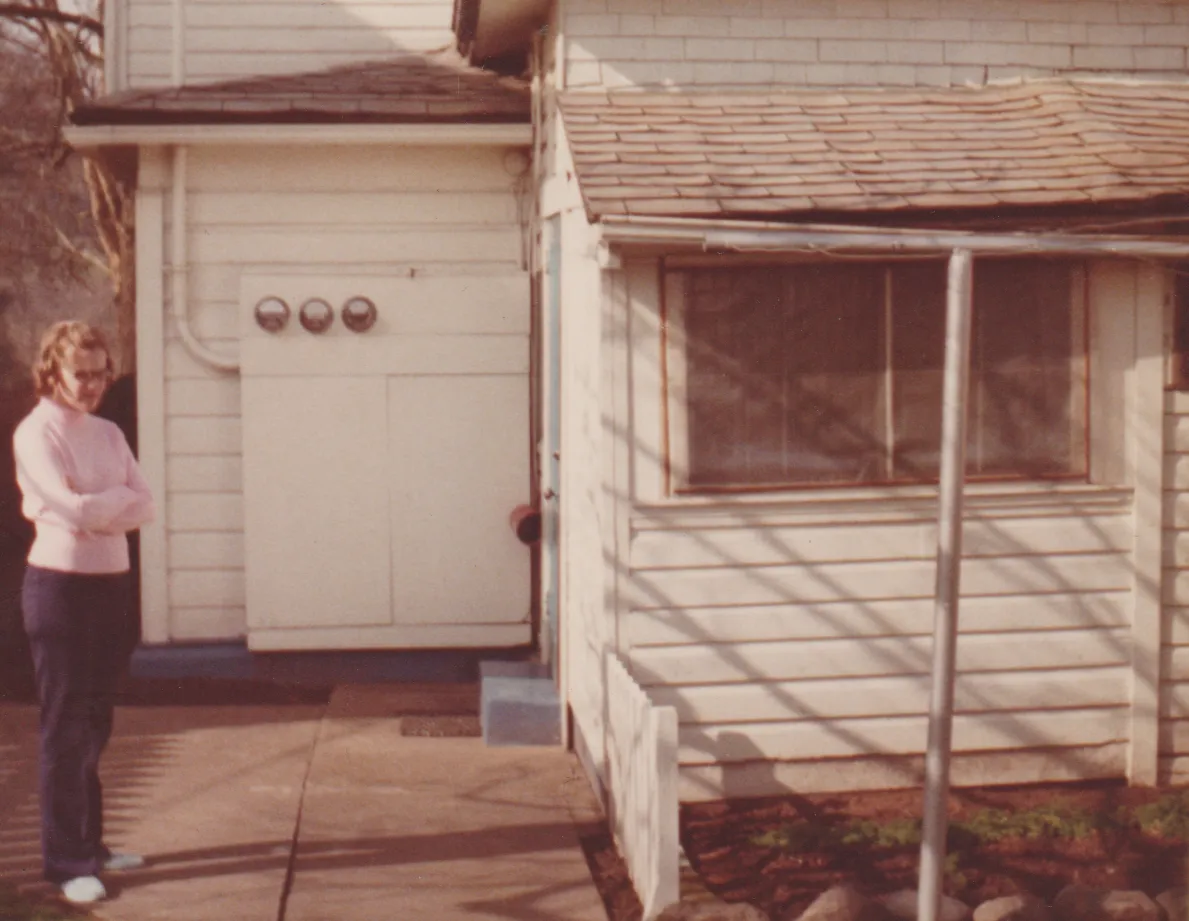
(179,263)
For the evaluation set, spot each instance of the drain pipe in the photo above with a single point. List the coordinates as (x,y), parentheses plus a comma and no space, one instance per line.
(179,263)
(180,256)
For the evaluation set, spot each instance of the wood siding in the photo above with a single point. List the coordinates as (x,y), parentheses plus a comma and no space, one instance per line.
(1174,659)
(793,633)
(840,42)
(224,41)
(587,625)
(347,212)
(780,643)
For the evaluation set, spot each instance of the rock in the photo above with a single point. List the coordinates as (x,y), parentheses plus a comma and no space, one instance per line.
(1174,903)
(1022,907)
(903,904)
(1083,903)
(842,903)
(1131,905)
(716,910)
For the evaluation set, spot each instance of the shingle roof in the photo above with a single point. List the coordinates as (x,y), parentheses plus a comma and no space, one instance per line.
(1046,142)
(433,87)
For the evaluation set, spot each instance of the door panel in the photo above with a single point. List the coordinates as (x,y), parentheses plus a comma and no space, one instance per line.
(458,465)
(315,492)
(380,467)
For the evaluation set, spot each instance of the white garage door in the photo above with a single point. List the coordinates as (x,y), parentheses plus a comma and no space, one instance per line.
(380,467)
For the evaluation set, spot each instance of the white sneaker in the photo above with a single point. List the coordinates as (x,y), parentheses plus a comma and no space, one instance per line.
(83,890)
(117,862)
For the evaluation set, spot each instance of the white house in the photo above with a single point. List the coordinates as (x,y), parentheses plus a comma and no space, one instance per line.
(681,280)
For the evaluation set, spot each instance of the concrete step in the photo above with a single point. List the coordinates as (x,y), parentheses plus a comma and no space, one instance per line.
(518,704)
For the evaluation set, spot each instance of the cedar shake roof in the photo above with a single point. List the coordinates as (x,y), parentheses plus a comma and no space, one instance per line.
(423,88)
(740,154)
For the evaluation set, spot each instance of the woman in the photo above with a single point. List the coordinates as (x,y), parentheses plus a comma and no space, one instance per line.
(83,491)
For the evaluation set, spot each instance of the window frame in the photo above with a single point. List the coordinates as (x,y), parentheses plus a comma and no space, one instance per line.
(674,367)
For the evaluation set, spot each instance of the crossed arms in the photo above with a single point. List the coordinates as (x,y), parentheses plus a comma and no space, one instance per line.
(117,510)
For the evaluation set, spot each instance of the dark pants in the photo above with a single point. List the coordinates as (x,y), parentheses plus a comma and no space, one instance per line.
(78,634)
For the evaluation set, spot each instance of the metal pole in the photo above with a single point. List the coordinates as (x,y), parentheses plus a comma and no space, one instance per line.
(949,559)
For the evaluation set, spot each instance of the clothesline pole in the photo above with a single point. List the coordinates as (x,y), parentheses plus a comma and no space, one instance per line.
(949,560)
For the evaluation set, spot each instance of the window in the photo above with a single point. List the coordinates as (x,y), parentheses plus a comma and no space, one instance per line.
(831,373)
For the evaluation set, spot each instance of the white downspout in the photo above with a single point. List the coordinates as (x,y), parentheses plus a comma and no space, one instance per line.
(179,264)
(179,255)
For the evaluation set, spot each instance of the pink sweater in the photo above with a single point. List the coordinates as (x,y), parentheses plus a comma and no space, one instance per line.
(82,489)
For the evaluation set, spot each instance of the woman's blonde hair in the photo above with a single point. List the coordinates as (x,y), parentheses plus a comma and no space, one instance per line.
(59,340)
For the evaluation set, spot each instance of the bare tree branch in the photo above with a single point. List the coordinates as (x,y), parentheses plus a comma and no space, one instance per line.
(50,14)
(81,252)
(70,46)
(20,44)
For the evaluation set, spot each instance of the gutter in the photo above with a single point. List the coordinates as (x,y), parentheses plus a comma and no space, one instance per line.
(770,237)
(83,137)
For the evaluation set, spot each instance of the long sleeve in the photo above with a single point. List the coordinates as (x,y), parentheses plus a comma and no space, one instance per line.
(82,490)
(142,509)
(43,476)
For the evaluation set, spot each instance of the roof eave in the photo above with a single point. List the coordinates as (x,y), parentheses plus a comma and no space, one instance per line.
(90,137)
(722,235)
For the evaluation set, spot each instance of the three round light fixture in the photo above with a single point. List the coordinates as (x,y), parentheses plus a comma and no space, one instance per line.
(316,315)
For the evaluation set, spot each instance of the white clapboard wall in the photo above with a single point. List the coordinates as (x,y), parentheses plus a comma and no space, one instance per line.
(797,644)
(792,632)
(368,217)
(915,42)
(226,41)
(1174,661)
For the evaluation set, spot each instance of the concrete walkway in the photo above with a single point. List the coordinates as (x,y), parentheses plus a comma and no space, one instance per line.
(319,813)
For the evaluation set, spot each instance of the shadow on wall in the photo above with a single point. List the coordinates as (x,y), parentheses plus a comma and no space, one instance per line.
(780,648)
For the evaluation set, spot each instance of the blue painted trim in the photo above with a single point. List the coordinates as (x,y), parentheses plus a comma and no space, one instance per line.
(234,660)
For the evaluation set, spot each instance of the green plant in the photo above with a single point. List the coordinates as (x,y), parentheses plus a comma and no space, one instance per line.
(896,833)
(955,879)
(797,836)
(1052,821)
(773,837)
(1168,817)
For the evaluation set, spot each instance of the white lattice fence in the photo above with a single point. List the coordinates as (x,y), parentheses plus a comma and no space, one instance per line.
(643,755)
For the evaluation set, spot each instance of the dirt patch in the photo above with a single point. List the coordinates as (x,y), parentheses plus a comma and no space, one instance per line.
(780,853)
(610,874)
